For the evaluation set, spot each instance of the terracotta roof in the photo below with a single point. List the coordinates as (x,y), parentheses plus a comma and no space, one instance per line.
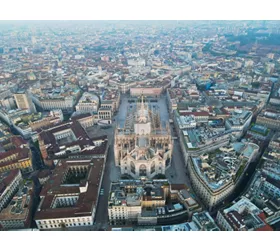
(266,227)
(48,138)
(23,153)
(178,186)
(86,200)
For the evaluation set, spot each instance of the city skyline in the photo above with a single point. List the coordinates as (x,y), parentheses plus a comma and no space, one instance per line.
(140,125)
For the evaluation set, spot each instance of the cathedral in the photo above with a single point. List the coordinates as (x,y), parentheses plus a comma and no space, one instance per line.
(143,147)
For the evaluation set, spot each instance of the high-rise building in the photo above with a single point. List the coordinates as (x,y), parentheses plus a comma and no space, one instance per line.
(24,101)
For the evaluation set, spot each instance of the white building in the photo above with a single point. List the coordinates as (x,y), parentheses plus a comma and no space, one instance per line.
(88,103)
(47,104)
(24,101)
(9,186)
(214,176)
(142,146)
(241,216)
(239,122)
(186,122)
(136,62)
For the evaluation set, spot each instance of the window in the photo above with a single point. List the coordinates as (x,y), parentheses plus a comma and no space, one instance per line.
(143,170)
(132,167)
(153,168)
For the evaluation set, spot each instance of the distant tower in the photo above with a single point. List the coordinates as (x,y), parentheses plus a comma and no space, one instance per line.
(255,46)
(33,39)
(142,116)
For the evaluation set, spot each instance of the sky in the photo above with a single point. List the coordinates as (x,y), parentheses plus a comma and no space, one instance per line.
(139,10)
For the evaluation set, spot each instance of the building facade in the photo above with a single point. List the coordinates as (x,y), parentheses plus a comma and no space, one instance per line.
(88,103)
(24,101)
(9,186)
(70,196)
(142,147)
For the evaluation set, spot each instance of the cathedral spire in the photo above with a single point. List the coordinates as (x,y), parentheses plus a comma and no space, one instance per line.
(142,104)
(142,113)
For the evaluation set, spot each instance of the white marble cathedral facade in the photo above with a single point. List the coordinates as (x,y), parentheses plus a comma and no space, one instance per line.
(143,147)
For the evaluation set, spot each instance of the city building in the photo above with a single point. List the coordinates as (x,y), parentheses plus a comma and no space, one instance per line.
(69,139)
(204,222)
(9,183)
(215,175)
(137,202)
(61,87)
(110,99)
(143,146)
(63,97)
(153,92)
(201,139)
(239,122)
(17,214)
(24,101)
(269,118)
(124,205)
(88,103)
(104,115)
(259,131)
(70,197)
(16,155)
(187,226)
(177,96)
(185,122)
(243,215)
(54,117)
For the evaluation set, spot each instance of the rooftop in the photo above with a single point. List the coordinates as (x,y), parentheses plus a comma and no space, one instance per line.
(205,222)
(85,192)
(70,138)
(131,193)
(19,207)
(244,214)
(239,117)
(224,165)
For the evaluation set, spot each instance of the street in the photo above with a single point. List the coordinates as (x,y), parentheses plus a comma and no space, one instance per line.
(176,173)
(111,173)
